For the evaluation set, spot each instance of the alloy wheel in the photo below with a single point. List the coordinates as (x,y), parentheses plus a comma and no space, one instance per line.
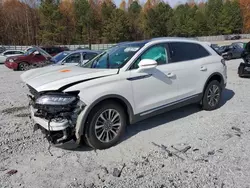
(213,95)
(23,66)
(107,125)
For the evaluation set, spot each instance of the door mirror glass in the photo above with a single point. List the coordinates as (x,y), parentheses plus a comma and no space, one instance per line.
(146,64)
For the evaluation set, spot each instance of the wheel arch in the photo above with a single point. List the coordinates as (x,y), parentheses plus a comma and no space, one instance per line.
(112,97)
(215,76)
(18,64)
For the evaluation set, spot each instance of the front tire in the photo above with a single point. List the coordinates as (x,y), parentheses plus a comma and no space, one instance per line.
(106,125)
(23,66)
(212,96)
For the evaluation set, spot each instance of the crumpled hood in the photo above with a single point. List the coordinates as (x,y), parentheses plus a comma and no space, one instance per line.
(55,77)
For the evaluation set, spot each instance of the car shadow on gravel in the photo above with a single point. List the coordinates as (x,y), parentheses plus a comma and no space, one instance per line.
(154,121)
(171,116)
(227,95)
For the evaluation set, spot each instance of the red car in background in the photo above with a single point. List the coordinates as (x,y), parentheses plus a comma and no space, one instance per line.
(34,57)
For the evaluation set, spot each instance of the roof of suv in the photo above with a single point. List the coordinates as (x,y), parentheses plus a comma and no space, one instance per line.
(161,39)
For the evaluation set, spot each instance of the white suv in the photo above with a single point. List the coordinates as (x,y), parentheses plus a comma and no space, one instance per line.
(124,84)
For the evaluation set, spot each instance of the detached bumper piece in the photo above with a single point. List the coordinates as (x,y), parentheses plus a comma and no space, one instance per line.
(57,137)
(57,131)
(244,70)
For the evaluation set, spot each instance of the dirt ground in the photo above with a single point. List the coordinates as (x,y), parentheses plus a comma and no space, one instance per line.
(183,148)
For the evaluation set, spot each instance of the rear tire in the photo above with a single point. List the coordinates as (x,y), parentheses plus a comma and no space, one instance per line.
(106,125)
(212,96)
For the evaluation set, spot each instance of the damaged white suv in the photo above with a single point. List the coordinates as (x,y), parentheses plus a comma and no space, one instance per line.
(124,84)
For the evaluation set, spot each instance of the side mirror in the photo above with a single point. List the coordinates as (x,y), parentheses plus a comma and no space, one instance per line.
(146,64)
(37,53)
(63,62)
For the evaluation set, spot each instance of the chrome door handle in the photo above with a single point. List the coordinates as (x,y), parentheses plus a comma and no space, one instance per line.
(170,75)
(203,68)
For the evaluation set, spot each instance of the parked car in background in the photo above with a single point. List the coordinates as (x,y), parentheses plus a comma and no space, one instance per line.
(216,47)
(240,44)
(236,37)
(232,51)
(123,85)
(54,50)
(9,53)
(2,49)
(73,57)
(34,57)
(28,48)
(82,48)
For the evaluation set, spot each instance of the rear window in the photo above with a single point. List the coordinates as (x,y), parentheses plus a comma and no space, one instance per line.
(184,51)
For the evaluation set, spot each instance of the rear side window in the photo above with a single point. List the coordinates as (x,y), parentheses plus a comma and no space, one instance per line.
(18,52)
(89,55)
(184,51)
(9,53)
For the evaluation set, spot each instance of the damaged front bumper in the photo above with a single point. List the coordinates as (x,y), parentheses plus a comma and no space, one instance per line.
(57,122)
(54,124)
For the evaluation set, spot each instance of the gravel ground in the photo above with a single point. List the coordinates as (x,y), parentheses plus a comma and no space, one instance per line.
(183,148)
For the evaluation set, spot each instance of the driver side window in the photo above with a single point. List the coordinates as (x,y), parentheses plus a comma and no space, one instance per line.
(74,58)
(157,53)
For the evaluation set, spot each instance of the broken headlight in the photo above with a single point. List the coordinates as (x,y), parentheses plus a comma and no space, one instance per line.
(56,99)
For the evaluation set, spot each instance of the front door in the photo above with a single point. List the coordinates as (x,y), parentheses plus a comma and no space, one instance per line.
(153,87)
(173,81)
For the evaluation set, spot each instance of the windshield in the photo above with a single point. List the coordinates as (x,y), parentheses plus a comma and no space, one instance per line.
(60,56)
(115,57)
(30,51)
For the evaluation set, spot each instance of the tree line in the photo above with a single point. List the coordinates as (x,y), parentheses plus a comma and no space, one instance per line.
(52,22)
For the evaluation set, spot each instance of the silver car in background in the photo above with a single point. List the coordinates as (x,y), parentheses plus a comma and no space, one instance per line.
(9,53)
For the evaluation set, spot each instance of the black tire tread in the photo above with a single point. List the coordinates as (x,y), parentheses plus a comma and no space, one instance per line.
(88,136)
(205,105)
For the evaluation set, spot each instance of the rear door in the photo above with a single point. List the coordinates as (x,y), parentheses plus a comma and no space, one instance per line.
(191,63)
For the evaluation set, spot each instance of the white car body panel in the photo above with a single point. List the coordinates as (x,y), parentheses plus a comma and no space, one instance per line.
(3,56)
(164,85)
(117,84)
(54,77)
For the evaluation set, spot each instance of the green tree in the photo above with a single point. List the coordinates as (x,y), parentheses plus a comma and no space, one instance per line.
(117,27)
(201,22)
(134,15)
(213,11)
(82,13)
(180,21)
(237,21)
(50,27)
(157,21)
(107,9)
